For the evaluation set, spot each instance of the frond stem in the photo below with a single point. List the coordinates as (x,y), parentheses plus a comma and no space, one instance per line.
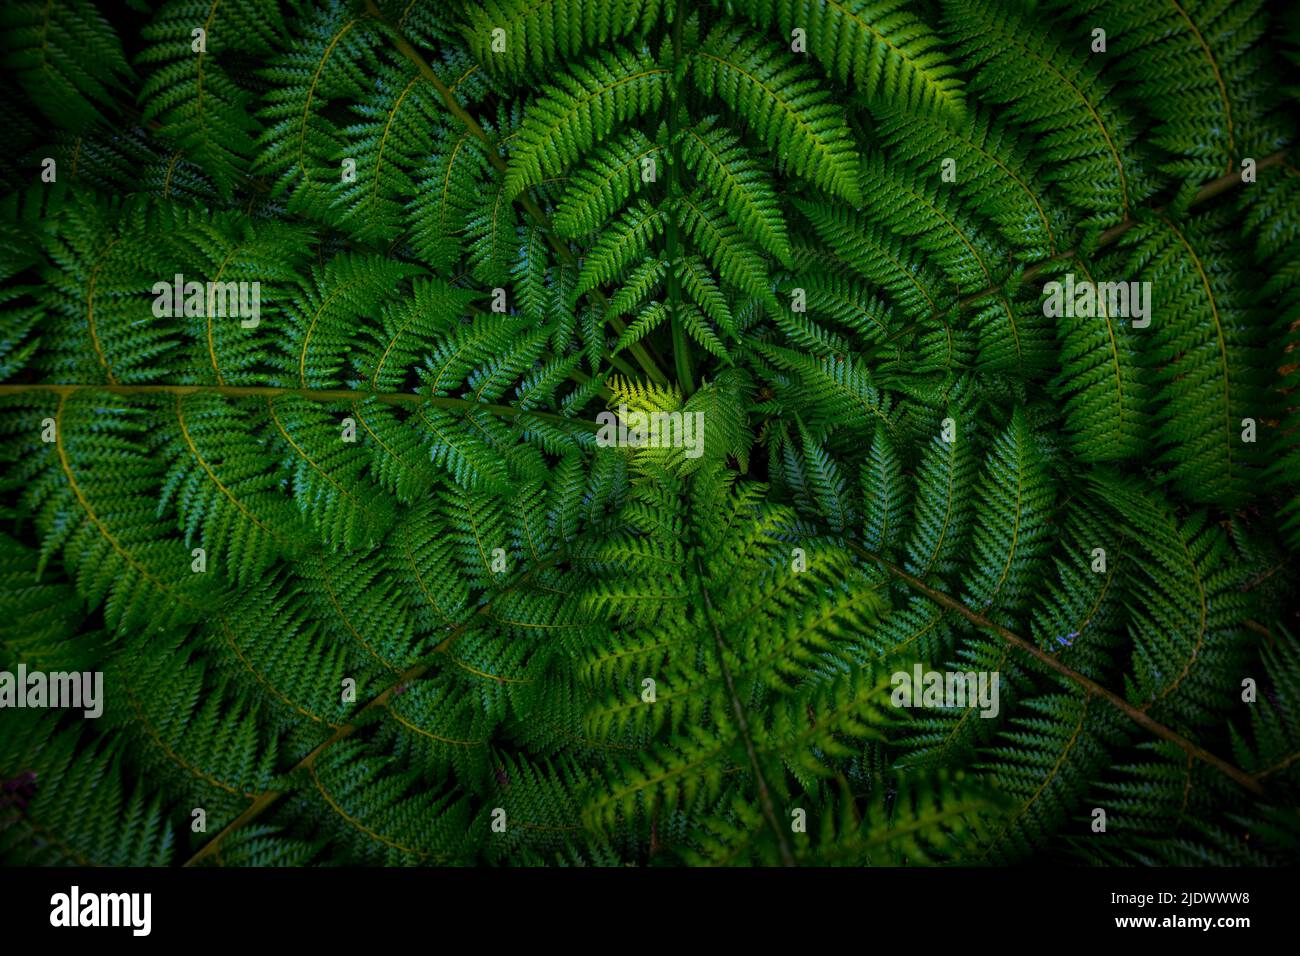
(312,394)
(1207,192)
(268,798)
(681,344)
(742,724)
(1137,716)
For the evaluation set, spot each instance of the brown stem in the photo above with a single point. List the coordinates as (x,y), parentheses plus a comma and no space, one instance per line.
(1207,192)
(764,795)
(313,394)
(1280,765)
(1138,717)
(265,800)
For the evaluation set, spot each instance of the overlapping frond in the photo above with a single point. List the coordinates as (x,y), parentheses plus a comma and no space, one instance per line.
(547,431)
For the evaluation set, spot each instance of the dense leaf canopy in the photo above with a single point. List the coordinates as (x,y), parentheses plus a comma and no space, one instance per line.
(365,581)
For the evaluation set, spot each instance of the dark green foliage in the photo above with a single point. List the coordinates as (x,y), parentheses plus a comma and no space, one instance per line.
(366,581)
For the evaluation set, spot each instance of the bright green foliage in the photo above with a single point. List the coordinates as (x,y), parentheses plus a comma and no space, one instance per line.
(622,243)
(600,187)
(1059,94)
(1011,533)
(881,48)
(746,193)
(1107,396)
(298,145)
(1191,61)
(783,103)
(995,171)
(566,121)
(394,575)
(1207,363)
(537,33)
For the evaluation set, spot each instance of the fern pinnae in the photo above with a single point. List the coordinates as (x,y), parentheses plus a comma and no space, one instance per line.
(1061,103)
(879,47)
(369,571)
(716,157)
(570,120)
(782,103)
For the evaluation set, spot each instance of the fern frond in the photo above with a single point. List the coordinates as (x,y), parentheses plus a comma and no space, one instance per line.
(49,828)
(534,33)
(715,155)
(783,104)
(1011,526)
(582,108)
(1205,355)
(882,48)
(203,109)
(1086,140)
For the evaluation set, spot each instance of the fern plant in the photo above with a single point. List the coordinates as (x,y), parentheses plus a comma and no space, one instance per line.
(393,569)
